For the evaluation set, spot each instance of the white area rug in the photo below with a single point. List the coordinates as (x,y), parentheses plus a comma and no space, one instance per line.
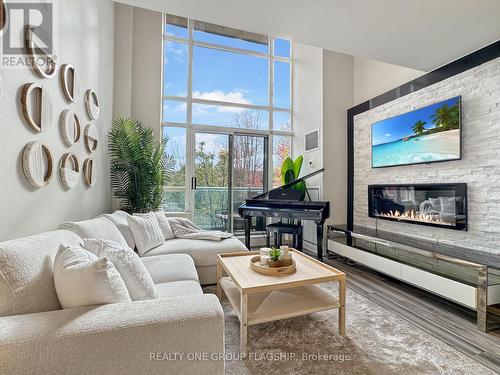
(376,342)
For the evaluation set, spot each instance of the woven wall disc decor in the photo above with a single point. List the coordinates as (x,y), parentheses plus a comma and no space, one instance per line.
(69,82)
(37,164)
(69,174)
(44,63)
(70,127)
(90,137)
(3,15)
(89,172)
(36,106)
(92,104)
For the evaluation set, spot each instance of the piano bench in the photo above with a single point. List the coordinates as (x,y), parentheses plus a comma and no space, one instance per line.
(278,229)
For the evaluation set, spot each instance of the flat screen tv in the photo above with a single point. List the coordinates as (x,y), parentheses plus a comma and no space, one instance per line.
(426,135)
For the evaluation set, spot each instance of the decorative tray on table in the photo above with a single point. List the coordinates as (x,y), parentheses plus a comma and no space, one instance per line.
(278,268)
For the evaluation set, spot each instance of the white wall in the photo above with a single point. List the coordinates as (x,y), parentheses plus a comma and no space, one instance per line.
(307,117)
(323,91)
(85,39)
(146,68)
(372,78)
(122,82)
(308,106)
(138,41)
(338,93)
(347,81)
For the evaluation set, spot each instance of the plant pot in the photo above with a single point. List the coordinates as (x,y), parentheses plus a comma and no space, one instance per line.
(279,263)
(274,264)
(286,262)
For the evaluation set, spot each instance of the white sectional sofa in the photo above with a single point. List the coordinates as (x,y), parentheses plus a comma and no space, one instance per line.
(203,252)
(38,337)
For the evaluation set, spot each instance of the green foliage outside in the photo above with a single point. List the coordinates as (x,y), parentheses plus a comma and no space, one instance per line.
(211,168)
(212,178)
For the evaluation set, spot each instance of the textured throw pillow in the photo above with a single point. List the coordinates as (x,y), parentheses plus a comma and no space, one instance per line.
(164,225)
(81,279)
(133,272)
(120,219)
(146,231)
(99,227)
(167,231)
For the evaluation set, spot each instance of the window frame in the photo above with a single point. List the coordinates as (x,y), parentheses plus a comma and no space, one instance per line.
(192,128)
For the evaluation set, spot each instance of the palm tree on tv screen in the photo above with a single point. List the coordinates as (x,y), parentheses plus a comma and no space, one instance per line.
(446,117)
(419,127)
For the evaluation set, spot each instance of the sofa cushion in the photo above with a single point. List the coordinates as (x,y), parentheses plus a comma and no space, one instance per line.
(133,272)
(82,279)
(170,267)
(120,219)
(163,222)
(203,252)
(179,288)
(26,272)
(164,225)
(99,227)
(146,231)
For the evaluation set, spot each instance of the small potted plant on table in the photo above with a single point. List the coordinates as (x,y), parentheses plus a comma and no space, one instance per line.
(274,258)
(277,258)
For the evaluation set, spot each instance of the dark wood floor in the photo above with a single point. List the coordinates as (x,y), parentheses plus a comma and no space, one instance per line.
(443,319)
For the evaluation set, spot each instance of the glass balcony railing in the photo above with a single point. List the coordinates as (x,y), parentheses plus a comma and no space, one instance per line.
(211,207)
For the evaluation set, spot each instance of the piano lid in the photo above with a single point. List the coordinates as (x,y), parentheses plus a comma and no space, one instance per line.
(294,182)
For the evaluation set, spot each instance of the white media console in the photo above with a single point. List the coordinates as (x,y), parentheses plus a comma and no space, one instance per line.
(472,280)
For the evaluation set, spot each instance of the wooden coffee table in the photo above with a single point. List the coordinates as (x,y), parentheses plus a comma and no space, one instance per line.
(258,298)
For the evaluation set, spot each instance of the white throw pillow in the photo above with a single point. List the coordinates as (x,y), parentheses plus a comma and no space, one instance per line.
(81,279)
(120,219)
(146,231)
(167,231)
(139,283)
(99,227)
(164,225)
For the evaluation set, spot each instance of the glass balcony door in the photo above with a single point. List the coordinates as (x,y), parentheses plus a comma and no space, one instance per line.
(228,168)
(249,175)
(211,181)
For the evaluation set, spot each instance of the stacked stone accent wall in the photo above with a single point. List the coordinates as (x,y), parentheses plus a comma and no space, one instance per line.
(479,167)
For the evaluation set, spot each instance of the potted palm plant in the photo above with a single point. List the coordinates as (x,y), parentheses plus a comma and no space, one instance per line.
(139,166)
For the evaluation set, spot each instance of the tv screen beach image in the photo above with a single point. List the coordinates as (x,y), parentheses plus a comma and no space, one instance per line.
(425,135)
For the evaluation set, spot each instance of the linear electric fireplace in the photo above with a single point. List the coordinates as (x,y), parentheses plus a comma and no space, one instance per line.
(438,205)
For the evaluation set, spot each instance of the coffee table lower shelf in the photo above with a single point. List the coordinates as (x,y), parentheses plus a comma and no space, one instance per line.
(263,307)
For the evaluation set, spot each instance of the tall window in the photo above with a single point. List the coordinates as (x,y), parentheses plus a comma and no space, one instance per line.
(223,81)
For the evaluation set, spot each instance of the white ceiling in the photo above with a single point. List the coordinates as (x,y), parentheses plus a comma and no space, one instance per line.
(419,34)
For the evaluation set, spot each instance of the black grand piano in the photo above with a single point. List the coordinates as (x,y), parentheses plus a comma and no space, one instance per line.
(276,203)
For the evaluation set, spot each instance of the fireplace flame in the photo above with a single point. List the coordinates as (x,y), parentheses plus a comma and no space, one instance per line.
(412,215)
